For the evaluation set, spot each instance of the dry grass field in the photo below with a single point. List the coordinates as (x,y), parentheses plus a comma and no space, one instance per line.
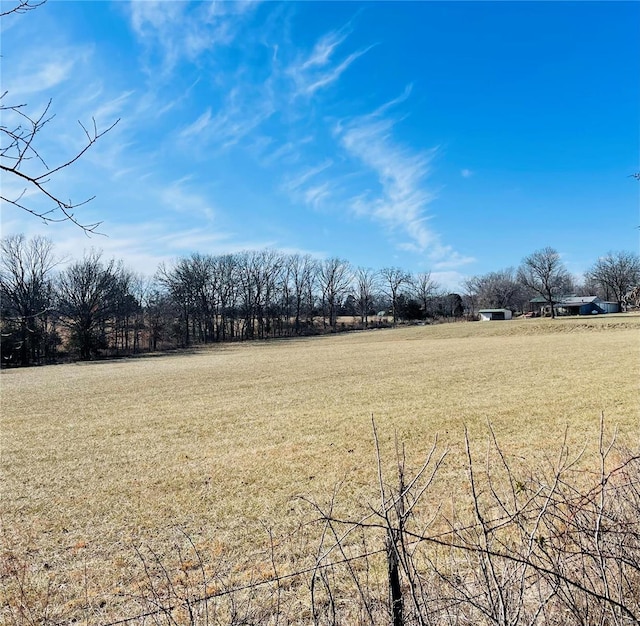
(104,461)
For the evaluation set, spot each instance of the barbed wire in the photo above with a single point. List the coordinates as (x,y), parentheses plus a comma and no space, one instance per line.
(225,592)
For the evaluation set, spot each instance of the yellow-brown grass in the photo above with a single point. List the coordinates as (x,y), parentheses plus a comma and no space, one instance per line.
(101,457)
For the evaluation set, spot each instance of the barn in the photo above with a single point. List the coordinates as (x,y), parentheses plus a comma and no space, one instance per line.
(488,315)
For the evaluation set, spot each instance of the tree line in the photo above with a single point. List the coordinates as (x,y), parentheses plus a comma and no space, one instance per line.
(94,306)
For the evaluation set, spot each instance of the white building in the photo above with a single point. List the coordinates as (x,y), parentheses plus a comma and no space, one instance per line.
(487,315)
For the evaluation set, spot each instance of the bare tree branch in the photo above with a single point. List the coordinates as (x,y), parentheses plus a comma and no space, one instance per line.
(23,6)
(17,149)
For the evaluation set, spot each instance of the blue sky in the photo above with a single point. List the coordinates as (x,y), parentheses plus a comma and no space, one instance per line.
(449,137)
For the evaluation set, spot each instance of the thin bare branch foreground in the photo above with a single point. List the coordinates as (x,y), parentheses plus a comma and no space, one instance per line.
(22,6)
(557,545)
(18,148)
(21,158)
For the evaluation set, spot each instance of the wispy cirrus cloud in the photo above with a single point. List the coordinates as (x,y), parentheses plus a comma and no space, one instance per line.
(450,280)
(42,68)
(317,195)
(198,126)
(43,78)
(446,258)
(299,181)
(162,28)
(182,30)
(403,195)
(318,69)
(193,239)
(237,120)
(324,48)
(178,196)
(305,187)
(250,96)
(401,174)
(113,108)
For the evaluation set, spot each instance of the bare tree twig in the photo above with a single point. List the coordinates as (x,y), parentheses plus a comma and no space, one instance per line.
(23,6)
(17,149)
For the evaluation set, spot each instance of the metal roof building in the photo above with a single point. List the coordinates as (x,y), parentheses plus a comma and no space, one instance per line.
(487,315)
(585,305)
(575,305)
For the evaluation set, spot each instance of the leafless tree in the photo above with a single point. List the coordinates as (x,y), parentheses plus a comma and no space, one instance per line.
(470,296)
(178,283)
(500,289)
(26,294)
(302,271)
(226,271)
(334,276)
(544,272)
(259,285)
(616,273)
(87,292)
(204,289)
(393,279)
(425,289)
(159,313)
(22,160)
(366,286)
(272,266)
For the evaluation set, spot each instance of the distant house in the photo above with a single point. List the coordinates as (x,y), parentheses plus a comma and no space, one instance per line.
(488,315)
(574,305)
(585,305)
(540,305)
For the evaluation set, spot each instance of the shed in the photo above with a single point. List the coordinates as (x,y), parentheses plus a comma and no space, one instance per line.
(487,315)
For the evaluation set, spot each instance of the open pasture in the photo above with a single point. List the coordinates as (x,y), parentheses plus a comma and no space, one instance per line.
(101,458)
